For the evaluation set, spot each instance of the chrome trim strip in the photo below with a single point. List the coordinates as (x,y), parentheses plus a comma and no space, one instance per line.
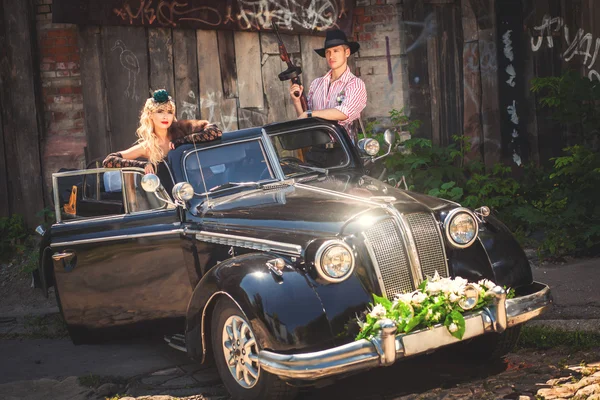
(364,354)
(204,314)
(439,231)
(411,247)
(57,214)
(272,155)
(371,252)
(118,237)
(247,242)
(94,171)
(125,194)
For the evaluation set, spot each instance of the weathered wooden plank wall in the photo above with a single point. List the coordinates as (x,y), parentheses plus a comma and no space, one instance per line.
(471,82)
(457,73)
(94,96)
(187,96)
(229,78)
(418,26)
(20,166)
(4,74)
(561,35)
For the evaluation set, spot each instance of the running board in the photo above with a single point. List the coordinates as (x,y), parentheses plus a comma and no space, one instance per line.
(176,341)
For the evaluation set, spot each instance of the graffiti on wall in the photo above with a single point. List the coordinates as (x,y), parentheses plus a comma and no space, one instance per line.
(581,44)
(131,64)
(301,16)
(511,109)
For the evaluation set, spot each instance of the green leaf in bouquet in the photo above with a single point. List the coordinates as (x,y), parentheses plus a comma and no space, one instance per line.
(383,301)
(457,319)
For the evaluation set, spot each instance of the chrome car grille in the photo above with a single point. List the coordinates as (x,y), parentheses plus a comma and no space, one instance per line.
(385,244)
(387,251)
(428,243)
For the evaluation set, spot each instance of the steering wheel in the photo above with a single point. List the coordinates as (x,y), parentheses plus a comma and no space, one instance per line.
(292,159)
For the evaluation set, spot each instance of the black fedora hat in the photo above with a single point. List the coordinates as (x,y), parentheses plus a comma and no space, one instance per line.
(337,38)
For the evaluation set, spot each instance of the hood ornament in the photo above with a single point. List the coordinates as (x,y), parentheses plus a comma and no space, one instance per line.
(482,212)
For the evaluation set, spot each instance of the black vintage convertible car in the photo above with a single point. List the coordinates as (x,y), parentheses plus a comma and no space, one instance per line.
(258,251)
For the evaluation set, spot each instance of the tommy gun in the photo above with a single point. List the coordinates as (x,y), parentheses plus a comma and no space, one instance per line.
(292,72)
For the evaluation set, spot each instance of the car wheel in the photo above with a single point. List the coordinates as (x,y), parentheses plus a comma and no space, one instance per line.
(491,346)
(236,355)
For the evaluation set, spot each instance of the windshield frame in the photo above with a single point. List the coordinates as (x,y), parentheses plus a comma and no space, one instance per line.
(328,128)
(265,152)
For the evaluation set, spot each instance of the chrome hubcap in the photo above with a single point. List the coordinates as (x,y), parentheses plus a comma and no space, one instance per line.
(241,351)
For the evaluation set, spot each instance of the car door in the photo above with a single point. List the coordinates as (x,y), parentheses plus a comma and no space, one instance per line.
(119,269)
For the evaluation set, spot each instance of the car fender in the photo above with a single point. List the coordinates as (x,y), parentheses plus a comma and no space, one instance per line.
(508,260)
(284,311)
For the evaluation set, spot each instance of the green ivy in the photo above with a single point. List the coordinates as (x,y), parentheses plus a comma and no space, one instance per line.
(555,209)
(12,236)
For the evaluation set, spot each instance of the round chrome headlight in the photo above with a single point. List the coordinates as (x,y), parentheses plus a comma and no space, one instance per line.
(461,227)
(150,183)
(334,261)
(369,146)
(183,191)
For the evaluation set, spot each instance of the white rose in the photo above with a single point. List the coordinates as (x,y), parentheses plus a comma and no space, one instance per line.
(405,298)
(433,287)
(487,283)
(418,297)
(453,327)
(446,285)
(454,298)
(458,285)
(436,277)
(378,311)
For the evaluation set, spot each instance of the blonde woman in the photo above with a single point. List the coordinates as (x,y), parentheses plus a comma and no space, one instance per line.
(159,132)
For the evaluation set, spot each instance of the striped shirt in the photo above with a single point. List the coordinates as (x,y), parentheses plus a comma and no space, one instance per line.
(347,94)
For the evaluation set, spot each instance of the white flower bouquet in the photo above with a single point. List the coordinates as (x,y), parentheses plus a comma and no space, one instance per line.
(436,301)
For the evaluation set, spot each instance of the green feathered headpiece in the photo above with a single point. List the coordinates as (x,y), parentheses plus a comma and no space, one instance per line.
(161,96)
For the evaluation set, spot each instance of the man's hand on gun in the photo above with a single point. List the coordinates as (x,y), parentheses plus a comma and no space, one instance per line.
(296,92)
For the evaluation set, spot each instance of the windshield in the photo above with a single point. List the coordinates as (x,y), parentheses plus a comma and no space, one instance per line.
(309,151)
(221,165)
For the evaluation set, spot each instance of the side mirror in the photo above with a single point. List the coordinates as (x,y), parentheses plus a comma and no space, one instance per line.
(389,137)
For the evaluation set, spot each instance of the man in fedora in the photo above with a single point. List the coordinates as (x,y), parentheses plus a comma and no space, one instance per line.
(339,95)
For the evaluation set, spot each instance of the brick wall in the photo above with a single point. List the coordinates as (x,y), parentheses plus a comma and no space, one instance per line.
(380,61)
(64,140)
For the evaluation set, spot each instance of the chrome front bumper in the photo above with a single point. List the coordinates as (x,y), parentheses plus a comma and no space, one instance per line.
(389,347)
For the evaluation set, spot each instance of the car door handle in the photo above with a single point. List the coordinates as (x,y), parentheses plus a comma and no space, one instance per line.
(60,256)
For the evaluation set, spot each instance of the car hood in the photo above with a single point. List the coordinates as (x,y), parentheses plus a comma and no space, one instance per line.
(316,207)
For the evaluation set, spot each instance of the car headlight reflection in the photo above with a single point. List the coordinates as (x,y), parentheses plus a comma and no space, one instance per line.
(461,227)
(369,146)
(334,261)
(470,299)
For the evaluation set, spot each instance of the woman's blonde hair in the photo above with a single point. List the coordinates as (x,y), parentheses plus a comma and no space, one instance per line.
(145,133)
